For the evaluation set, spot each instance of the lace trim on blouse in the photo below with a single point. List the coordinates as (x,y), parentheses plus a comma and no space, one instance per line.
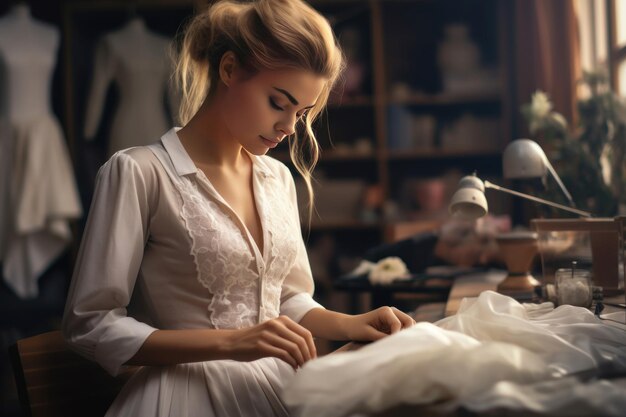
(224,261)
(278,210)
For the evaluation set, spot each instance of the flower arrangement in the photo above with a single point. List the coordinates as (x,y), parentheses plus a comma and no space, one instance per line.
(383,272)
(388,270)
(590,158)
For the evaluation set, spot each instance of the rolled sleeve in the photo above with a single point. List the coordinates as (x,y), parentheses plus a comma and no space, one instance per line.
(95,322)
(119,342)
(297,306)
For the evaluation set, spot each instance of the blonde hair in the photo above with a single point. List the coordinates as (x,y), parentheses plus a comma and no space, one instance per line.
(263,35)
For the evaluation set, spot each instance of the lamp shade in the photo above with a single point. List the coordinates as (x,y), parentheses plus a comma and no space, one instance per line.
(469,200)
(524,158)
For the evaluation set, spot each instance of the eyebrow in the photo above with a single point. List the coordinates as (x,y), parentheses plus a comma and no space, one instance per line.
(291,98)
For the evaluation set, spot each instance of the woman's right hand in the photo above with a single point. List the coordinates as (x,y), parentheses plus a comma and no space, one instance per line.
(280,337)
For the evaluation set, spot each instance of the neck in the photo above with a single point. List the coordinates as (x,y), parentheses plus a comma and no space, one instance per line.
(21,10)
(208,141)
(136,24)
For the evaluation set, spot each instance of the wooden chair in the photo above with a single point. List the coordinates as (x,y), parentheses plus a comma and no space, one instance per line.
(53,381)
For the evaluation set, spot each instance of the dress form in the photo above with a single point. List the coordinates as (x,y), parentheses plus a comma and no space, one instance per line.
(28,49)
(137,60)
(38,194)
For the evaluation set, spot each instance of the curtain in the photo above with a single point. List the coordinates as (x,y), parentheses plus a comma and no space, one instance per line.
(547,56)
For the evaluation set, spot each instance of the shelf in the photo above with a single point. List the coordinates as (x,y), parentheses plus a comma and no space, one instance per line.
(345,102)
(330,156)
(342,156)
(400,154)
(342,225)
(445,99)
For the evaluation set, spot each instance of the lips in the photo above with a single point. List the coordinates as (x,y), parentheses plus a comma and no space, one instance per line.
(270,143)
(275,140)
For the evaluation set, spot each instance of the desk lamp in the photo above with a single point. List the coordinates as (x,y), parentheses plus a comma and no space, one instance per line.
(518,249)
(524,158)
(469,200)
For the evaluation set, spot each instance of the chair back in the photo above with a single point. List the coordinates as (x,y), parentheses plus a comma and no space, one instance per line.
(53,381)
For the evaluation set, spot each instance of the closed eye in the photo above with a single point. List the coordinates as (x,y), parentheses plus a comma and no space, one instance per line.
(274,105)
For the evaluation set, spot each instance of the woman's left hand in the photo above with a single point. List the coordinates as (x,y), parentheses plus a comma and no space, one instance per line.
(377,324)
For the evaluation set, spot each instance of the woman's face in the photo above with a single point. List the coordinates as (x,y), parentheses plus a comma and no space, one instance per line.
(260,111)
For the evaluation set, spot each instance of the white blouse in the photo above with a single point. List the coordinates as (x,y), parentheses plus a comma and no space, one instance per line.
(163,250)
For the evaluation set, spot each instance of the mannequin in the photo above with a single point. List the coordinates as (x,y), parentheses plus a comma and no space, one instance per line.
(38,194)
(138,61)
(29,52)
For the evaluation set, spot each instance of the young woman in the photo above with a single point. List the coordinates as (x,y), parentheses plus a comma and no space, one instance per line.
(192,261)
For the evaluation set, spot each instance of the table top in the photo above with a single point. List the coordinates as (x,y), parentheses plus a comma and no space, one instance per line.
(434,279)
(422,283)
(471,285)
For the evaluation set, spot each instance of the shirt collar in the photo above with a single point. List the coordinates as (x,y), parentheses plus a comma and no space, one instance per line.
(260,166)
(185,166)
(179,156)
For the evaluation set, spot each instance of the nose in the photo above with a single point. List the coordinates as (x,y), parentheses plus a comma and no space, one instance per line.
(287,126)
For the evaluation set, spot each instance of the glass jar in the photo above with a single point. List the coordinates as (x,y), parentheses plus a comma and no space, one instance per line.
(573,287)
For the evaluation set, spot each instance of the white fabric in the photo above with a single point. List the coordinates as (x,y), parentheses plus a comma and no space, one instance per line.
(494,352)
(38,194)
(163,250)
(137,60)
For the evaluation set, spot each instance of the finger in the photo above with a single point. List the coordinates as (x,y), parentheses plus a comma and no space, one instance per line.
(404,318)
(297,339)
(391,320)
(278,353)
(288,345)
(283,326)
(372,334)
(304,333)
(298,334)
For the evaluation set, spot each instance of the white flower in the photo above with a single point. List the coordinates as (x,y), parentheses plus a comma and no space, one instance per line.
(558,121)
(388,270)
(540,105)
(365,267)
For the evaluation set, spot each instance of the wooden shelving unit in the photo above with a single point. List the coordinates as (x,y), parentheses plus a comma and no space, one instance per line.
(445,99)
(360,134)
(398,48)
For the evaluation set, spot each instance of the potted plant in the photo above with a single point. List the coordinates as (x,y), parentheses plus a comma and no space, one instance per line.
(591,158)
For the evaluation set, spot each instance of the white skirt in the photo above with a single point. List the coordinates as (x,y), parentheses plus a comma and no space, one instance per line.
(213,388)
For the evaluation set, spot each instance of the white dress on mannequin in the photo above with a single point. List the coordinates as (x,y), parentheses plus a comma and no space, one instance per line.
(138,61)
(38,194)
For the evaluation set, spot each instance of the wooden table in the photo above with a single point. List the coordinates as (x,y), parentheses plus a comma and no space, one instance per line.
(472,285)
(425,288)
(467,285)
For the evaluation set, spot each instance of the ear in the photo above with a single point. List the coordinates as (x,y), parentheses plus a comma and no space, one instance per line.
(228,67)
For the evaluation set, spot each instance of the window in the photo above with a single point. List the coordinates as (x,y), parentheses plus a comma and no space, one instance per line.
(617,45)
(602,25)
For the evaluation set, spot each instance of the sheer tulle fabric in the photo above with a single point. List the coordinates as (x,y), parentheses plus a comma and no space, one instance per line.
(494,353)
(39,200)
